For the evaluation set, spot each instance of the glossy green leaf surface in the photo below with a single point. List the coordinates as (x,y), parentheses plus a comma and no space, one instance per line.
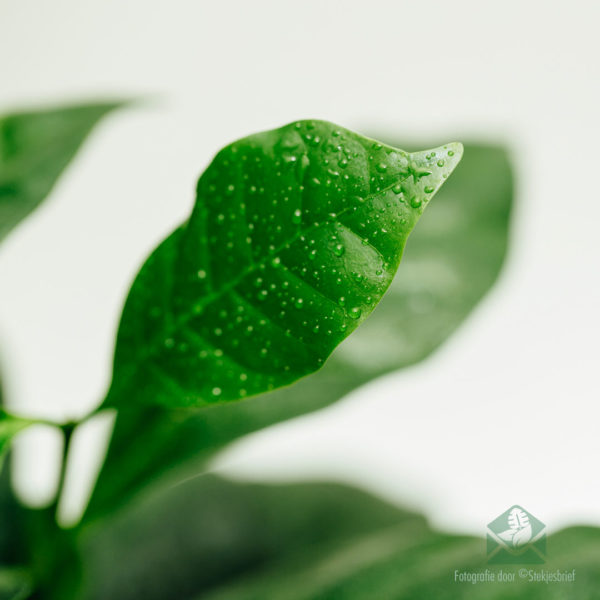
(295,235)
(452,259)
(35,148)
(210,538)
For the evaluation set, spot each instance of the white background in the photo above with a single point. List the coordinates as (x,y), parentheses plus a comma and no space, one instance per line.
(507,411)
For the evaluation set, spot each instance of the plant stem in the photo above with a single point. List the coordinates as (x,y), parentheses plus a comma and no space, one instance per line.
(67,429)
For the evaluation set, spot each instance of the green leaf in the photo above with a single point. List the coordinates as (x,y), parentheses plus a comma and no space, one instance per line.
(295,236)
(213,539)
(35,147)
(33,549)
(451,260)
(15,584)
(15,579)
(201,534)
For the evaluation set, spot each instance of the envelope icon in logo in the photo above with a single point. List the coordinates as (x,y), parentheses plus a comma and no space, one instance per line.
(516,537)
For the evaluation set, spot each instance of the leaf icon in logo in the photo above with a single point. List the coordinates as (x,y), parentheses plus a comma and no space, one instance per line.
(517,519)
(522,536)
(520,528)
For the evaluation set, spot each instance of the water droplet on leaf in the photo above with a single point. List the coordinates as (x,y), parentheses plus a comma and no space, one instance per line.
(338,249)
(355,312)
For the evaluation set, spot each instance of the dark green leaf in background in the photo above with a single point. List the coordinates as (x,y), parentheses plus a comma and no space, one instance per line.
(452,259)
(35,147)
(213,539)
(29,539)
(209,532)
(15,580)
(15,584)
(295,235)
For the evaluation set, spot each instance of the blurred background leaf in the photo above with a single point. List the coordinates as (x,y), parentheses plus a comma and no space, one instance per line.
(35,147)
(13,540)
(15,584)
(451,260)
(200,534)
(212,538)
(15,579)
